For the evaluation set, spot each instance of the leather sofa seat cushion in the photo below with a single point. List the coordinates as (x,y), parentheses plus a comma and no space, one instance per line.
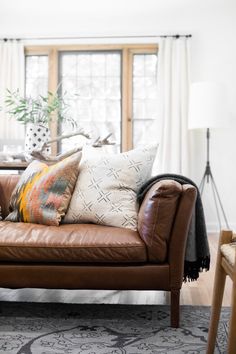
(25,242)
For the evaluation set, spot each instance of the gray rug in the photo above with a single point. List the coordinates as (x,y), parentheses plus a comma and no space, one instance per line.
(34,328)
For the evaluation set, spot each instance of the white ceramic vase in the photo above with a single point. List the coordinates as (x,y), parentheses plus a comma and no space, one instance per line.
(36,135)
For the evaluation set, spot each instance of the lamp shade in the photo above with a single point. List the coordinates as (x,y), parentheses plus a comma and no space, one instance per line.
(207,105)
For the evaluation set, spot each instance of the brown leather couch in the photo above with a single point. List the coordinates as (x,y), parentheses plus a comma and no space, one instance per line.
(86,256)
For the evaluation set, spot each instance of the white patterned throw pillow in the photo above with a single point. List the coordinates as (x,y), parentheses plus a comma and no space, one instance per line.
(107,186)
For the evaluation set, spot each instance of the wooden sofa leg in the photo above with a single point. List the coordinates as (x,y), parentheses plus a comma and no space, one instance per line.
(174,316)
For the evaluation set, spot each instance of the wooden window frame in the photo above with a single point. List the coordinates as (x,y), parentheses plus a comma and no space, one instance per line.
(127,52)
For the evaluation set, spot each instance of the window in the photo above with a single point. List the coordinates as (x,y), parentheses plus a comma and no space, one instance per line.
(109,89)
(36,75)
(144,109)
(93,81)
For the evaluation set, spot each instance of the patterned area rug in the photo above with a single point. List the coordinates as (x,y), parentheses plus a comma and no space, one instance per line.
(43,328)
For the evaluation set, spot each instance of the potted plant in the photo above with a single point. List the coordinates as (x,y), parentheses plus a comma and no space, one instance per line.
(36,114)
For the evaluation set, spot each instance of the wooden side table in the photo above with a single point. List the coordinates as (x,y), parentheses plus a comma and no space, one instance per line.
(17,166)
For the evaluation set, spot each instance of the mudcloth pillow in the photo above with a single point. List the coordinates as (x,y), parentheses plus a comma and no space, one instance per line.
(43,192)
(105,192)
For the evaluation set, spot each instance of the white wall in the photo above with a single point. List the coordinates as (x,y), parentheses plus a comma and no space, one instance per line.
(213,26)
(214,58)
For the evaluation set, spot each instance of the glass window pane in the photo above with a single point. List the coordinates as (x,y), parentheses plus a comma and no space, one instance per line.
(144,132)
(36,75)
(92,81)
(145,104)
(138,66)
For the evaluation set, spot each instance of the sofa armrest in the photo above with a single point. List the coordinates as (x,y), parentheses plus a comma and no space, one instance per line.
(156,216)
(7,185)
(178,239)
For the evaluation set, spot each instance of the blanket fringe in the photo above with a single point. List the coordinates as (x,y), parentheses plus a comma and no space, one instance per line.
(192,269)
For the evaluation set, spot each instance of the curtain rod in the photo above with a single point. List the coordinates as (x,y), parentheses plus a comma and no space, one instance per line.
(100,37)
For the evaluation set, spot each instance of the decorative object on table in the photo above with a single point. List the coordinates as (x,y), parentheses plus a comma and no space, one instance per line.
(43,192)
(28,327)
(41,156)
(36,114)
(207,109)
(35,136)
(12,153)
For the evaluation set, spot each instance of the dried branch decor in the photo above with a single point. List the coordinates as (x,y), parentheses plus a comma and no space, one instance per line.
(40,154)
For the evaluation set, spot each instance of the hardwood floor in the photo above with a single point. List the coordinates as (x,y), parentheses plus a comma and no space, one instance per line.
(200,292)
(192,293)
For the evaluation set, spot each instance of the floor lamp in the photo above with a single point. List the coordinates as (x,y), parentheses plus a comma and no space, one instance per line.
(207,110)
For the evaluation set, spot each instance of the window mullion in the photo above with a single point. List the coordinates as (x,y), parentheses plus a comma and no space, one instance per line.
(126,100)
(130,100)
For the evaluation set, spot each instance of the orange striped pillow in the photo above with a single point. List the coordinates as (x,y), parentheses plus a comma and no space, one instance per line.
(43,192)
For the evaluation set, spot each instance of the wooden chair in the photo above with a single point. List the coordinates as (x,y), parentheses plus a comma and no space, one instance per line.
(226,265)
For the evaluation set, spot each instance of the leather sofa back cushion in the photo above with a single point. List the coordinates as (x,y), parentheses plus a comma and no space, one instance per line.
(7,185)
(43,192)
(156,216)
(106,190)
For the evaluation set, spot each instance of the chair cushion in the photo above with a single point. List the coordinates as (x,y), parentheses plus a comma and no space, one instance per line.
(25,242)
(229,252)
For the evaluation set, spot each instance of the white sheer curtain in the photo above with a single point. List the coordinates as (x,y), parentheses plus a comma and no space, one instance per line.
(11,77)
(173,91)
